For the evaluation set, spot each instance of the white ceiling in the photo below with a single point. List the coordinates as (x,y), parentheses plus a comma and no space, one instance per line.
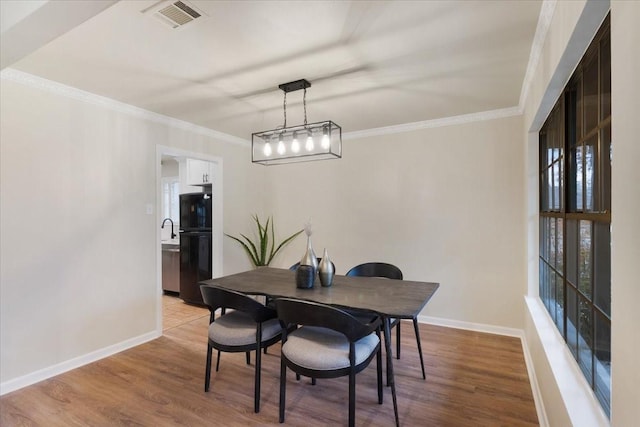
(371,64)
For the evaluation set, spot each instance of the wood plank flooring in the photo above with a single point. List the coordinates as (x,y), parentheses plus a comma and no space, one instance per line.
(473,379)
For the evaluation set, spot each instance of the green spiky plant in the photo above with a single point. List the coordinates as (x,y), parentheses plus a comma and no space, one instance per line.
(263,251)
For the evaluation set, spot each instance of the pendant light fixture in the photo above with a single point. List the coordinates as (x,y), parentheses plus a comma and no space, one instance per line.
(306,142)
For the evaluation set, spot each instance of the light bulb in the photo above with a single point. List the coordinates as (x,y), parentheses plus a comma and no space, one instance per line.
(267,149)
(281,147)
(309,144)
(295,145)
(326,141)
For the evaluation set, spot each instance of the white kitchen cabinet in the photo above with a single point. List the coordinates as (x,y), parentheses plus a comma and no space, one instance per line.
(199,172)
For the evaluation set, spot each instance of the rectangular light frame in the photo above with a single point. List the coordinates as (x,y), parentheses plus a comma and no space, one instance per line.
(319,152)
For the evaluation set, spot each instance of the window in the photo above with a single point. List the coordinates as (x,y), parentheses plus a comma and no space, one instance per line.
(170,199)
(575,215)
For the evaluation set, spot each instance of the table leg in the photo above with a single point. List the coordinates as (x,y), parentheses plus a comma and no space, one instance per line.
(390,376)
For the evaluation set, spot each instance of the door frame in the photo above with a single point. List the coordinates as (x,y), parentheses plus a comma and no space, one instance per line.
(216,212)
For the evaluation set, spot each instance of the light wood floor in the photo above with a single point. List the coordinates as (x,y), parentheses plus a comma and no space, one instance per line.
(473,379)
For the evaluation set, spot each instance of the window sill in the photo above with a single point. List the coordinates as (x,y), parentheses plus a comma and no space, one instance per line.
(581,405)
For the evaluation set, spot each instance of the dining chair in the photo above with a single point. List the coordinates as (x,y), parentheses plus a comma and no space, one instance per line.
(247,327)
(389,271)
(328,343)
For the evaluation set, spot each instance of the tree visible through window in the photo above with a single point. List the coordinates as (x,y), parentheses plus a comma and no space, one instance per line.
(575,215)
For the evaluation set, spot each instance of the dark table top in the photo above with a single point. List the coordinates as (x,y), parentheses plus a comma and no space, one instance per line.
(392,298)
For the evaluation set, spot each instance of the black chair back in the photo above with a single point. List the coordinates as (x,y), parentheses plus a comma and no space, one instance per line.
(215,297)
(297,312)
(295,266)
(376,269)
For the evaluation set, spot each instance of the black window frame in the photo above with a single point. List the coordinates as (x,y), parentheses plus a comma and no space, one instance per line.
(575,214)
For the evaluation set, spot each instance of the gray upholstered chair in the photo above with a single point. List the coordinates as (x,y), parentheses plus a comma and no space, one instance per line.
(329,343)
(389,271)
(249,326)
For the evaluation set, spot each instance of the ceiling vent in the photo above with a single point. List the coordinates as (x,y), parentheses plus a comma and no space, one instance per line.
(175,14)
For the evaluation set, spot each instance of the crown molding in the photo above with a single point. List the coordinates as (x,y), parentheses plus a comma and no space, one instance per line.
(544,22)
(111,104)
(91,98)
(427,124)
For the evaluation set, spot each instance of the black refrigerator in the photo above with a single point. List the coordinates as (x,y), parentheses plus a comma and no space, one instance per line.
(195,245)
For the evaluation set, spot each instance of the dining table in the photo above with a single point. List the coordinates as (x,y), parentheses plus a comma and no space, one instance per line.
(387,298)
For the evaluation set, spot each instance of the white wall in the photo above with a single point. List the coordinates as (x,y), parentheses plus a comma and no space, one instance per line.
(625,212)
(567,398)
(78,270)
(444,204)
(170,168)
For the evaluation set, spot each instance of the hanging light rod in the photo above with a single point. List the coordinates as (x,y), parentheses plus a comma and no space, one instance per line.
(322,140)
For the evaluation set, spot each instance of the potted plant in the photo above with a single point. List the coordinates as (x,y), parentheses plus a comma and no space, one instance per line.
(264,249)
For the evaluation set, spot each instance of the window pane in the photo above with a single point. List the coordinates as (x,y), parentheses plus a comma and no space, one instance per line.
(590,174)
(578,112)
(605,79)
(572,251)
(559,246)
(559,302)
(165,200)
(603,362)
(557,173)
(542,285)
(175,201)
(590,94)
(552,241)
(548,189)
(576,178)
(548,287)
(561,184)
(585,261)
(572,321)
(602,267)
(542,143)
(585,339)
(605,168)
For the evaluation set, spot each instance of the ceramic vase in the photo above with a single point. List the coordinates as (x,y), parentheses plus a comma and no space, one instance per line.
(326,271)
(309,257)
(305,276)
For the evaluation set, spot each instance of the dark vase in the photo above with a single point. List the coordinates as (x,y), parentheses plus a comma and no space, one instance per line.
(305,276)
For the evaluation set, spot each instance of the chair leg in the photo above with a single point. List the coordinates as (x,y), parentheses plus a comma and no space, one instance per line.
(297,376)
(352,398)
(256,403)
(398,339)
(218,362)
(415,327)
(390,377)
(207,374)
(379,371)
(283,386)
(248,358)
(313,381)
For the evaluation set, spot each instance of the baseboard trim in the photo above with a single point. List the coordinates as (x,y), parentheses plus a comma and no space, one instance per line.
(543,420)
(500,330)
(76,362)
(477,327)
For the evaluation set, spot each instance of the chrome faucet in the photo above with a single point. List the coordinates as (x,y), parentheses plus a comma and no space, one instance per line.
(173,235)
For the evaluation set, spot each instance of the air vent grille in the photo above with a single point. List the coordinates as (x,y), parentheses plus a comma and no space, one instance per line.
(177,13)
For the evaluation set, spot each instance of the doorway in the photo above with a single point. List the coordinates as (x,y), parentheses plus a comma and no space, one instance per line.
(169,185)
